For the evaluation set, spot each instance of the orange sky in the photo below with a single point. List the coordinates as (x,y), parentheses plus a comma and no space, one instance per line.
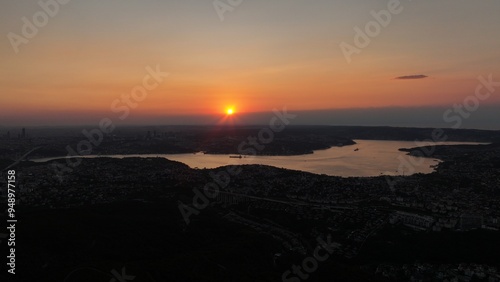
(262,56)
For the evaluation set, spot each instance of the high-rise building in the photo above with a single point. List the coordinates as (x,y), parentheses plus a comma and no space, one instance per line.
(23,135)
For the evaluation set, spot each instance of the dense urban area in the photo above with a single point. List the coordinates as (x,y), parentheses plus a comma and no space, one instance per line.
(164,221)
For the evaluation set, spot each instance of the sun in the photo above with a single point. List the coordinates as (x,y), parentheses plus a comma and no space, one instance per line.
(230,115)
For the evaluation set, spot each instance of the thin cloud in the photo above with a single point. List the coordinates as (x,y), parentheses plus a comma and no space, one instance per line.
(417,76)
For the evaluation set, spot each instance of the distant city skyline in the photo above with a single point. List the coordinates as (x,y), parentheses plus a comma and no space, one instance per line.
(486,119)
(197,59)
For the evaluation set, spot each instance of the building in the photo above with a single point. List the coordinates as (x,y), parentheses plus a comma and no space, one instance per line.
(470,222)
(416,221)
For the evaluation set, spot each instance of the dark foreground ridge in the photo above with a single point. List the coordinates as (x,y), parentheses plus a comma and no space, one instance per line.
(151,219)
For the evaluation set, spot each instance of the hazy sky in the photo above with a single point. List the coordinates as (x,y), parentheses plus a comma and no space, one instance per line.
(263,55)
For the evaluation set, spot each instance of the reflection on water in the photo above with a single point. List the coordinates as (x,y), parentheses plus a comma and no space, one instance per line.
(366,158)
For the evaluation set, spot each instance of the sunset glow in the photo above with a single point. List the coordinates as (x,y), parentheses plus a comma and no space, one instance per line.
(70,73)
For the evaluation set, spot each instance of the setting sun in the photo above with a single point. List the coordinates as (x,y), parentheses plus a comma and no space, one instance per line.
(230,111)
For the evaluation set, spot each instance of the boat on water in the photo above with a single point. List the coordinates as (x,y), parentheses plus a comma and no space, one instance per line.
(357,149)
(236,157)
